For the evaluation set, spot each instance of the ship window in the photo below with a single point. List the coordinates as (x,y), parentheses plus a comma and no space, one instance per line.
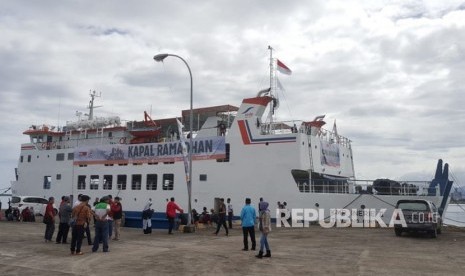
(21,159)
(121,181)
(153,163)
(110,134)
(123,164)
(152,180)
(168,181)
(94,181)
(226,159)
(81,185)
(58,176)
(203,177)
(47,182)
(28,158)
(71,156)
(302,179)
(136,182)
(60,156)
(107,182)
(109,165)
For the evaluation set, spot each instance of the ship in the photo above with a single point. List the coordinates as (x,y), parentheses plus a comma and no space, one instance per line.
(236,152)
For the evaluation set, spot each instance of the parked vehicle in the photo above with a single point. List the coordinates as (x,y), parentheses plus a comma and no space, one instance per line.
(419,215)
(37,203)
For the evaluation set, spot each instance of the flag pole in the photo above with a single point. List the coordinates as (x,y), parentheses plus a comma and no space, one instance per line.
(271,68)
(272,88)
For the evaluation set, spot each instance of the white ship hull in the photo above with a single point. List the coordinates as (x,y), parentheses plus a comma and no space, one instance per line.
(305,166)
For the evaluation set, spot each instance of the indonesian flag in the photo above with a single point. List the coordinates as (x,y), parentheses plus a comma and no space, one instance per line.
(283,68)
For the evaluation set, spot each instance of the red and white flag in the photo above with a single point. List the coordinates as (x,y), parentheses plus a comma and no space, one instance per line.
(283,68)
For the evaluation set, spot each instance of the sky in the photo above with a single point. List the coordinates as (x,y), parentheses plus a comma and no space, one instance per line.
(389,72)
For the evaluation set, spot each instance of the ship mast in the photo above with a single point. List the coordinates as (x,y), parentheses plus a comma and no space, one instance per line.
(272,88)
(91,106)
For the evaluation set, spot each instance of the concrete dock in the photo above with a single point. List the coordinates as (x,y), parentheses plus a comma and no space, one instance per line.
(295,251)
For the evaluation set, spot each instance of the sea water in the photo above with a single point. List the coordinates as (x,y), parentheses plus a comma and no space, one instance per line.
(455,215)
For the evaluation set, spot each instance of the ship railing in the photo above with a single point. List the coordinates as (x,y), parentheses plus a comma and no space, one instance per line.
(352,186)
(277,128)
(73,143)
(327,136)
(399,187)
(324,186)
(287,127)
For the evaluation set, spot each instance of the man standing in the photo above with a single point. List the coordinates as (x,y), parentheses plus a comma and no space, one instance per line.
(248,216)
(78,201)
(49,219)
(117,210)
(110,217)
(221,217)
(147,217)
(65,214)
(265,228)
(101,211)
(230,213)
(82,215)
(171,208)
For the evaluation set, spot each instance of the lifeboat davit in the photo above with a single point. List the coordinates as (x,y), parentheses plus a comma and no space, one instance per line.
(147,133)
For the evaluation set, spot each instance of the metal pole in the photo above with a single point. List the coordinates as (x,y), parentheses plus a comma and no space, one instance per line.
(160,57)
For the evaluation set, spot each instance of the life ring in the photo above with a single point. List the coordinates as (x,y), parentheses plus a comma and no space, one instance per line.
(122,140)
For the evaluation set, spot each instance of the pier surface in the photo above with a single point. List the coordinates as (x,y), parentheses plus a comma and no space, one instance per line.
(303,251)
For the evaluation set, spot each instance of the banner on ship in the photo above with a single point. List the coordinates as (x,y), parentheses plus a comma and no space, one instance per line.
(202,149)
(330,154)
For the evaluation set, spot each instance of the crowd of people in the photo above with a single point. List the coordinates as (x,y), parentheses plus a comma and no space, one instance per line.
(106,214)
(248,217)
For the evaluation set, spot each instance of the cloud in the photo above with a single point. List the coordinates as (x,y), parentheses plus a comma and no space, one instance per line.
(390,72)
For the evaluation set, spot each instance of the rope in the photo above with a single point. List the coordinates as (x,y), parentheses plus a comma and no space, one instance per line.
(6,190)
(455,220)
(346,205)
(382,200)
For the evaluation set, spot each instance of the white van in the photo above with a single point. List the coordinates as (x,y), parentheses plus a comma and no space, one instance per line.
(37,203)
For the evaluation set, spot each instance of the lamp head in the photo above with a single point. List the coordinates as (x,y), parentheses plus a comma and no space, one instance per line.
(160,57)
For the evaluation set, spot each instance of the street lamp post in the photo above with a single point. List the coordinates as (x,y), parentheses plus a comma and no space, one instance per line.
(160,58)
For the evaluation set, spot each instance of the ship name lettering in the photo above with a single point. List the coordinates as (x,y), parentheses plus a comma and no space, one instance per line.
(169,149)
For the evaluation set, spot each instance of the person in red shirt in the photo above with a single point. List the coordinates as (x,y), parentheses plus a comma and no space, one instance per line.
(110,217)
(117,211)
(171,209)
(49,219)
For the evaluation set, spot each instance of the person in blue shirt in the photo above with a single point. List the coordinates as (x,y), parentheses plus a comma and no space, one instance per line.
(248,216)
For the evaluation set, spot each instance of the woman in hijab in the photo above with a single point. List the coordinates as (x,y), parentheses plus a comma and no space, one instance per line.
(147,218)
(265,228)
